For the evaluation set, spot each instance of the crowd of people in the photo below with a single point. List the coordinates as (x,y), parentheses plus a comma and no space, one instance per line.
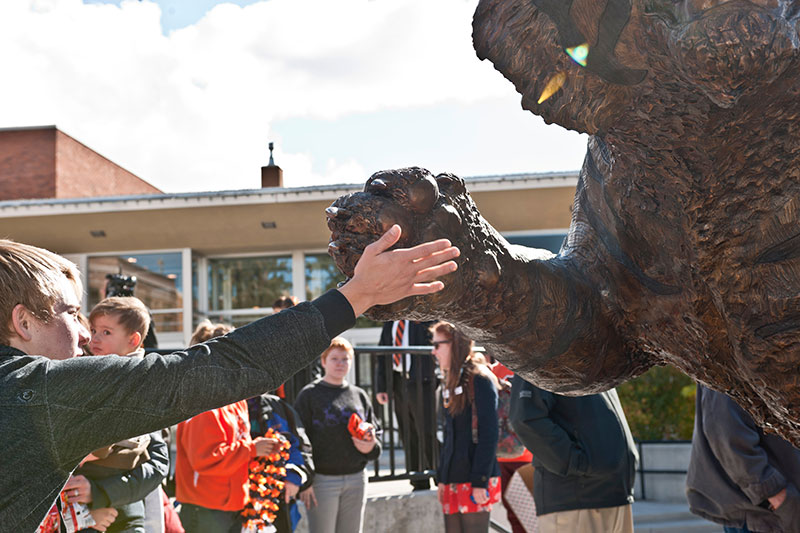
(88,421)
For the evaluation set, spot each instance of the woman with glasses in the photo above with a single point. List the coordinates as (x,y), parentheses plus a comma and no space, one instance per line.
(468,474)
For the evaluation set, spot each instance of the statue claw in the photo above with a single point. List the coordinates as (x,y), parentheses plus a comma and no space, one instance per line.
(337,212)
(376,185)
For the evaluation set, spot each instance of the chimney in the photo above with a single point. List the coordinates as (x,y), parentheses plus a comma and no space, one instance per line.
(271,175)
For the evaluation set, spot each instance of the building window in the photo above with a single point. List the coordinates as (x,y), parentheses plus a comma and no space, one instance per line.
(321,275)
(246,285)
(159,278)
(546,241)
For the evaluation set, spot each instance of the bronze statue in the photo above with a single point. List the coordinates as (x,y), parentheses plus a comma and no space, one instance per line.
(684,247)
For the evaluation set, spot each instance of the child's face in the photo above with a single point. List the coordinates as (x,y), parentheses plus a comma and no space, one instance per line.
(110,337)
(337,364)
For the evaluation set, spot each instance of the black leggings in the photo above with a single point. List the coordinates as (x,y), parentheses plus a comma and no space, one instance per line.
(466,522)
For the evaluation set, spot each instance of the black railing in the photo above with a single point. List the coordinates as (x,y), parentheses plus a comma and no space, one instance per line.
(641,471)
(388,467)
(366,360)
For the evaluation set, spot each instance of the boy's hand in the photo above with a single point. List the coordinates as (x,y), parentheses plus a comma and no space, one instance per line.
(78,489)
(384,276)
(308,498)
(480,496)
(265,446)
(103,518)
(364,446)
(291,490)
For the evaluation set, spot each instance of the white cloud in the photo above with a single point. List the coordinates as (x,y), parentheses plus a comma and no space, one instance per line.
(193,110)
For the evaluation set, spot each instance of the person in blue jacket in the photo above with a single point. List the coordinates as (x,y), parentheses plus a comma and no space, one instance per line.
(468,474)
(269,411)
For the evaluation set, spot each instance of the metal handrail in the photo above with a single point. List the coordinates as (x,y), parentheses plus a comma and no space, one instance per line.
(656,471)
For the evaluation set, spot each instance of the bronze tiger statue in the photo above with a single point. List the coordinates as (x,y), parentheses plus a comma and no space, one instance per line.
(684,246)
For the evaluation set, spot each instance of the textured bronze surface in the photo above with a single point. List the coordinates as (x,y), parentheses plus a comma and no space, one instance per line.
(684,246)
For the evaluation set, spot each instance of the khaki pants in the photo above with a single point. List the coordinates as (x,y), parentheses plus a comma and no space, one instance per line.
(606,520)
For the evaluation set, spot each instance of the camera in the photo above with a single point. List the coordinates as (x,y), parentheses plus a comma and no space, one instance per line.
(120,285)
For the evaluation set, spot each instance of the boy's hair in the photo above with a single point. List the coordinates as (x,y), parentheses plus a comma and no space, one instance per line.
(338,342)
(32,277)
(205,330)
(129,311)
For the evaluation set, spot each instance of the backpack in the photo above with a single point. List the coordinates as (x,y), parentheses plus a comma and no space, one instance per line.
(508,444)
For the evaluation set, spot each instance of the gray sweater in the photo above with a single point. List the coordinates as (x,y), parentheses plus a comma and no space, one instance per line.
(735,467)
(54,413)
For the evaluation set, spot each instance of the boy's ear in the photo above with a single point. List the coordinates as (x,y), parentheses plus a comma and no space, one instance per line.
(22,322)
(135,339)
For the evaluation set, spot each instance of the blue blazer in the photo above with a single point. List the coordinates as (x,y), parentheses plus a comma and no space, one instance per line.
(461,460)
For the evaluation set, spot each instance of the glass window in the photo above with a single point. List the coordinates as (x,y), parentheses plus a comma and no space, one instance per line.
(248,282)
(321,275)
(234,320)
(195,286)
(158,284)
(550,242)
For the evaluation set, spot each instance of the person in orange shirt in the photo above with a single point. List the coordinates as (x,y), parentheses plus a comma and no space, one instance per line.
(213,455)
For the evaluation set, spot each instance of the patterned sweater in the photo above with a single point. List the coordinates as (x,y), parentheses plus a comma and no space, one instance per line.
(325,410)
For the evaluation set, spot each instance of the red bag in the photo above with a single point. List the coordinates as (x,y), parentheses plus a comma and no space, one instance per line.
(360,429)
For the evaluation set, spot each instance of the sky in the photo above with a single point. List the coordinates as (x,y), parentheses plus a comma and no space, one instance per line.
(187,94)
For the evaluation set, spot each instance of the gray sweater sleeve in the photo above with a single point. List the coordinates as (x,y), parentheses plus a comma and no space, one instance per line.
(96,401)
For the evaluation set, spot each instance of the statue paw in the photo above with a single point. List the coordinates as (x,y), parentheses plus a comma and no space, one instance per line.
(424,206)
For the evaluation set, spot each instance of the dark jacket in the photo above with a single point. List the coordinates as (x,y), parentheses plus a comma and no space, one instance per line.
(51,419)
(461,460)
(125,490)
(423,367)
(582,448)
(735,467)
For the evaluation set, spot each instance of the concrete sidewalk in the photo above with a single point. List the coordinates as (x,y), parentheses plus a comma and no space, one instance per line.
(648,516)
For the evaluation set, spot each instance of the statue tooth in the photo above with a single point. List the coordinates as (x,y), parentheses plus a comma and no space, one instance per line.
(553,84)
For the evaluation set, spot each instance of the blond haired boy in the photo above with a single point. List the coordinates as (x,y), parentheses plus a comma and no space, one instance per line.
(120,482)
(118,326)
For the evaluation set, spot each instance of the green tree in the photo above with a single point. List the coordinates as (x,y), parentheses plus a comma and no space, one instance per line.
(659,404)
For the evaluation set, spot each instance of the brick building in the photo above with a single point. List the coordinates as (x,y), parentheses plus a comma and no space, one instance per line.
(225,255)
(45,162)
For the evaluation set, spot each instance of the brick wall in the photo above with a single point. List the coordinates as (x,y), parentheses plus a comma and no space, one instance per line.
(27,163)
(81,172)
(47,163)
